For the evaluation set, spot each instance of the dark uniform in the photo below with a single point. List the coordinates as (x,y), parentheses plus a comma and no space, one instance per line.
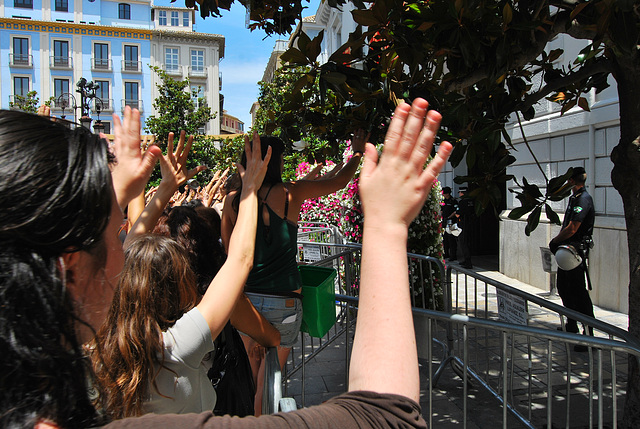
(571,284)
(449,206)
(465,211)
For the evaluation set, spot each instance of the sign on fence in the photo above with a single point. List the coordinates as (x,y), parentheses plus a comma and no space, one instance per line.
(511,308)
(311,252)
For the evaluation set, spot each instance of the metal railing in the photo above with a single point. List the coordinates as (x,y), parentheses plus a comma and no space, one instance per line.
(20,60)
(477,352)
(134,104)
(101,64)
(131,66)
(65,62)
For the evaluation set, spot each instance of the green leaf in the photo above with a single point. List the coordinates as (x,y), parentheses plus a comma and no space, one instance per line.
(551,214)
(314,47)
(533,220)
(507,14)
(583,104)
(295,57)
(365,17)
(518,212)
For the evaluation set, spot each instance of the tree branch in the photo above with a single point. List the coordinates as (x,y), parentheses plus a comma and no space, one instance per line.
(601,66)
(519,60)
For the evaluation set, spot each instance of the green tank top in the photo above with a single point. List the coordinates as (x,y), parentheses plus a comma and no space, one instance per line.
(275,268)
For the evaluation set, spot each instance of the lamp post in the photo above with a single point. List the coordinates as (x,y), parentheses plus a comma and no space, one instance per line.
(66,101)
(98,126)
(87,92)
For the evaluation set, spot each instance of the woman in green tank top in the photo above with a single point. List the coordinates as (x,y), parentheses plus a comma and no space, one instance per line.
(275,270)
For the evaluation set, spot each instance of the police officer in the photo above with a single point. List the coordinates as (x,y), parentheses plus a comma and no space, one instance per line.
(577,229)
(449,209)
(465,214)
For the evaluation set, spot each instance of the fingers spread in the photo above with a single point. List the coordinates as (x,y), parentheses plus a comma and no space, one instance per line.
(425,140)
(394,132)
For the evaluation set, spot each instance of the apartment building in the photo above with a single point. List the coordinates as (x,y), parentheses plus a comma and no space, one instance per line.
(47,46)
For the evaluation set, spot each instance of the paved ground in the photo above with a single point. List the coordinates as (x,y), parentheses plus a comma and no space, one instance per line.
(325,377)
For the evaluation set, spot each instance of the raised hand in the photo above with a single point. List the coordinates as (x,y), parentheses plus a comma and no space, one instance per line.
(132,170)
(173,165)
(359,140)
(395,189)
(253,175)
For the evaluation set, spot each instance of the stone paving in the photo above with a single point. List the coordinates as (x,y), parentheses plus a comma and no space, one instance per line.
(325,377)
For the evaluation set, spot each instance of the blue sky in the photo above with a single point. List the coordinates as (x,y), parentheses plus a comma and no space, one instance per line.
(245,55)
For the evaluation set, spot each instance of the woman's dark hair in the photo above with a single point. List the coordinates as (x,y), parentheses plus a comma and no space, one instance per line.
(191,231)
(274,169)
(55,198)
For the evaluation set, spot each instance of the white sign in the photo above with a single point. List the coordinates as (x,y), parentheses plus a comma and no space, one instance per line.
(311,252)
(511,308)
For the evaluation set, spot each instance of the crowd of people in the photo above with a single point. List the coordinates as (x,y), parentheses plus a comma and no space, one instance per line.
(105,325)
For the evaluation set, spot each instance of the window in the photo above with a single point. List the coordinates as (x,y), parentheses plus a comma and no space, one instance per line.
(124,11)
(131,95)
(185,19)
(162,17)
(197,95)
(197,60)
(20,86)
(107,127)
(20,51)
(171,59)
(174,19)
(101,55)
(60,87)
(25,4)
(62,5)
(131,57)
(61,53)
(103,94)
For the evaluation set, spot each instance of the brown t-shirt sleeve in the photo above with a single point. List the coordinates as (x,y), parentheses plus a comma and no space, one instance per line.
(349,410)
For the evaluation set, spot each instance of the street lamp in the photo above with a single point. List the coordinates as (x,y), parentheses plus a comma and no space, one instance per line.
(66,101)
(98,106)
(87,92)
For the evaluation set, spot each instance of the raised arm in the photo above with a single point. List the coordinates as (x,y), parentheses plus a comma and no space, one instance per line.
(392,191)
(227,285)
(173,167)
(334,180)
(132,170)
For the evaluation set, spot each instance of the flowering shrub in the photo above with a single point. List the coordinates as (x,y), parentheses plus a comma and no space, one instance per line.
(344,210)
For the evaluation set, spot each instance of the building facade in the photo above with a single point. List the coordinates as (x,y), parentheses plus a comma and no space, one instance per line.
(47,46)
(230,124)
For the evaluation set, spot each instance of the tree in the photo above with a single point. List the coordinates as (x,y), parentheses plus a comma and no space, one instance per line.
(177,110)
(26,103)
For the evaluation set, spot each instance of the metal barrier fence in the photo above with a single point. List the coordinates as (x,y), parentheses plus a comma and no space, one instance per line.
(500,343)
(311,239)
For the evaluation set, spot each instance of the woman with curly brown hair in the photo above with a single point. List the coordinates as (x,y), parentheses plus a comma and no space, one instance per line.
(154,351)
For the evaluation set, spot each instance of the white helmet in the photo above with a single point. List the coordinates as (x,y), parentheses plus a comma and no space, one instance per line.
(568,257)
(453,229)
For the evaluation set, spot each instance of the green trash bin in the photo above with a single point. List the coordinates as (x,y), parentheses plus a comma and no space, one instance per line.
(318,299)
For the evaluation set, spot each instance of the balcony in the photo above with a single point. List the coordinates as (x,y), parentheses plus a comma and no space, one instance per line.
(65,63)
(134,104)
(21,60)
(131,66)
(106,105)
(172,69)
(101,64)
(197,71)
